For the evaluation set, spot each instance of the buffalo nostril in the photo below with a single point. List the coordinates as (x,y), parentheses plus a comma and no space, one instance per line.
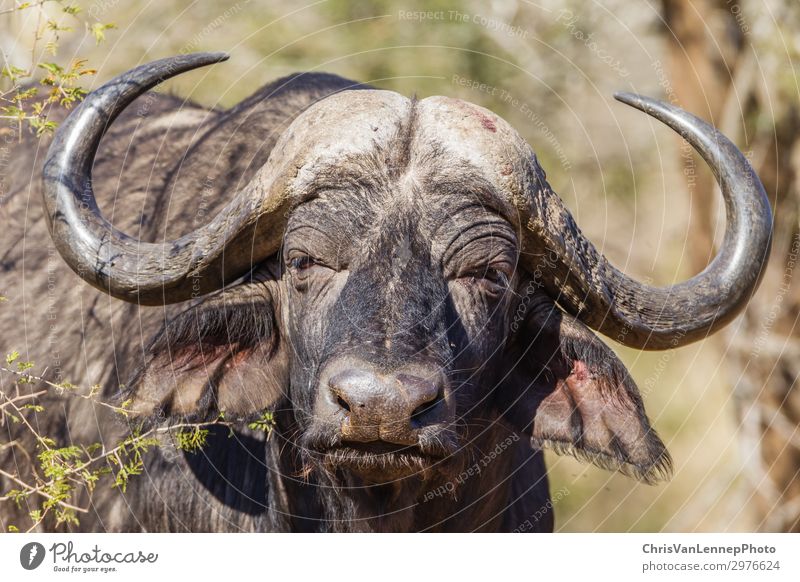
(351,390)
(342,403)
(425,412)
(423,397)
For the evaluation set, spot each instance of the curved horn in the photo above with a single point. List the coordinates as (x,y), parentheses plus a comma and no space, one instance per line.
(135,271)
(635,314)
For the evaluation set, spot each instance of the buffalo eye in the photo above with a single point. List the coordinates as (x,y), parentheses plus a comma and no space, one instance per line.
(492,280)
(496,277)
(302,266)
(302,263)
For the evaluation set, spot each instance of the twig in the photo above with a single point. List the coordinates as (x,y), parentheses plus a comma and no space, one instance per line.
(17,8)
(63,388)
(21,416)
(22,397)
(38,490)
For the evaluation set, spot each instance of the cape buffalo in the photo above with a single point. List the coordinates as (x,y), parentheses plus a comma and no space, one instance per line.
(393,278)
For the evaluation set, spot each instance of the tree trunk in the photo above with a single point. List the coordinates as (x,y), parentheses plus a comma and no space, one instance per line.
(720,72)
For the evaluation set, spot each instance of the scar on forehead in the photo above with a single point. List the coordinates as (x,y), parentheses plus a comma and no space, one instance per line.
(485,119)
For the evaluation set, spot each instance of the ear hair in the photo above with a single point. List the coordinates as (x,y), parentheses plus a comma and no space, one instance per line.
(221,355)
(218,322)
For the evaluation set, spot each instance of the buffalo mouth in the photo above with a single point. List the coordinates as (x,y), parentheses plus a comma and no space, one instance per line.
(381,462)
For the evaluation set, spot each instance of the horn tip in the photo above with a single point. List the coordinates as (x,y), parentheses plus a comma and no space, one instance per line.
(217,56)
(631,99)
(642,103)
(205,58)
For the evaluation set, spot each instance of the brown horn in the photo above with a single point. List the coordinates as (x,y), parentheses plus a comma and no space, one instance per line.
(585,284)
(140,272)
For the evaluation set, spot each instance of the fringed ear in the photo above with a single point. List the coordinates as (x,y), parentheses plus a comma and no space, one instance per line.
(568,391)
(221,356)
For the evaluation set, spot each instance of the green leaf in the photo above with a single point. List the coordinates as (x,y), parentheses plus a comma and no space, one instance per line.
(43,127)
(191,440)
(52,68)
(12,72)
(34,407)
(265,423)
(56,27)
(26,94)
(98,30)
(18,496)
(23,366)
(13,111)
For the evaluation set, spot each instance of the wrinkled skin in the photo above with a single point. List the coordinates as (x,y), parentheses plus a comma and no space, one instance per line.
(397,264)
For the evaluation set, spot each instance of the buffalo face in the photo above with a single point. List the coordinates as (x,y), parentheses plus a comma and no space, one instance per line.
(399,276)
(397,295)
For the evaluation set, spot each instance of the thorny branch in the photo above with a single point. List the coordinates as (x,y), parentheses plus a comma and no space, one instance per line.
(68,469)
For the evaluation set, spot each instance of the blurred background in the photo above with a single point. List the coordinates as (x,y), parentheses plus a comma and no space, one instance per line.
(728,407)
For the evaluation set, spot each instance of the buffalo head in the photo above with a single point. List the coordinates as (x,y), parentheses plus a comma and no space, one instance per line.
(401,273)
